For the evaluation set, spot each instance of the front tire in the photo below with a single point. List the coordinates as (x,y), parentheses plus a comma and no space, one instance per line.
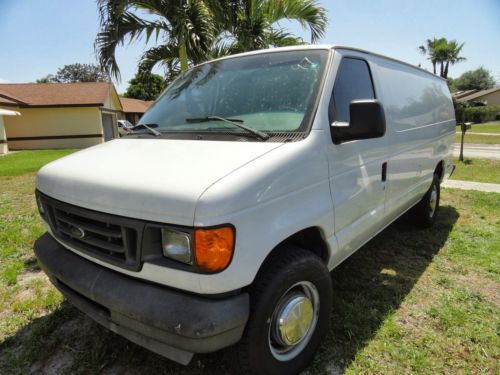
(290,308)
(425,212)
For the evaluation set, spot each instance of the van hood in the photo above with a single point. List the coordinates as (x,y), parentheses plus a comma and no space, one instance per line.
(152,179)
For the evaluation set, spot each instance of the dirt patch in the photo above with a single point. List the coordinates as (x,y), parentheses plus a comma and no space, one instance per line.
(119,369)
(31,283)
(27,277)
(71,330)
(488,288)
(24,295)
(57,363)
(69,334)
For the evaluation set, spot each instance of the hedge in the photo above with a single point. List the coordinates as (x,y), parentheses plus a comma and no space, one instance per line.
(477,114)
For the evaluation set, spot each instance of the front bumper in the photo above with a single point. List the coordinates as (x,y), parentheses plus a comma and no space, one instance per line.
(169,322)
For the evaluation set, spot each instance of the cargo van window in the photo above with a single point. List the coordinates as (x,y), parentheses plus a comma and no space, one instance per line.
(353,82)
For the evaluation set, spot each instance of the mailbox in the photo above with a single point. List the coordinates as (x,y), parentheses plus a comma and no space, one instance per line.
(466,126)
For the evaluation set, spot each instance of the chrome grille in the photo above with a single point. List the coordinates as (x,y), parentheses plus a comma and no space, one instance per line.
(107,237)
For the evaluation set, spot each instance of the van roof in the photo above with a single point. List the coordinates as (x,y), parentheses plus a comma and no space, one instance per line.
(322,46)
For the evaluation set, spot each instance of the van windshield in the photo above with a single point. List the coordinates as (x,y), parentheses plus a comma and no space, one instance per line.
(271,92)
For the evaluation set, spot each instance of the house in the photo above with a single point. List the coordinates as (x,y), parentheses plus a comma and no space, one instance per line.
(60,115)
(487,97)
(460,94)
(133,109)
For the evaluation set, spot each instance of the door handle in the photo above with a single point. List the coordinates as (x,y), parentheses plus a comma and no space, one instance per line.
(384,171)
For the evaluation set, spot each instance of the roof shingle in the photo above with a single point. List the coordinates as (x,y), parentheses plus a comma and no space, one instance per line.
(477,94)
(134,105)
(56,94)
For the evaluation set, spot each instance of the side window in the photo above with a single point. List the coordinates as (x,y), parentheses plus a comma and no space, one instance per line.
(353,82)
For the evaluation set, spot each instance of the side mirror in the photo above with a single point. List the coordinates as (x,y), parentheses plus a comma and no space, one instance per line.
(367,121)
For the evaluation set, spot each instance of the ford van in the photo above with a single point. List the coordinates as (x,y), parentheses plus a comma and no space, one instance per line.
(244,185)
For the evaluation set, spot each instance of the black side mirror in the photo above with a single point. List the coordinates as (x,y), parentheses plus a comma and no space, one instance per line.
(367,121)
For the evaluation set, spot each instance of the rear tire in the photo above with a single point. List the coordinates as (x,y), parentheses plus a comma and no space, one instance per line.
(425,212)
(295,286)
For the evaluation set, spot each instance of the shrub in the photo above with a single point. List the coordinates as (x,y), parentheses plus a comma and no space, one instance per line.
(466,113)
(482,114)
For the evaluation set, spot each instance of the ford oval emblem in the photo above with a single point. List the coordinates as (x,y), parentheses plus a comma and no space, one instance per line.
(77,232)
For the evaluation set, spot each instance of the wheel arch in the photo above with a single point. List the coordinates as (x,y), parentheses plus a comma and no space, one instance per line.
(439,170)
(311,239)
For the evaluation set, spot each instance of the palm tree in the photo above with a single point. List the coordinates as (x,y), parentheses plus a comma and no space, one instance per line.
(434,50)
(453,50)
(443,52)
(193,31)
(185,27)
(254,24)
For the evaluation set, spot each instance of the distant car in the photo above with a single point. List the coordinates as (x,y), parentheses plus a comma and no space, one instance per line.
(124,127)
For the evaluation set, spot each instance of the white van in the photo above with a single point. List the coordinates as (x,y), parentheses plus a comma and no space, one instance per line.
(252,177)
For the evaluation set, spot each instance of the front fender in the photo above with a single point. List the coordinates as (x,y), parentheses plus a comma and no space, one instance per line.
(268,200)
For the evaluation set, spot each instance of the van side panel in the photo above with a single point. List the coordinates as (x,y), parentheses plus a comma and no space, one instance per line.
(420,128)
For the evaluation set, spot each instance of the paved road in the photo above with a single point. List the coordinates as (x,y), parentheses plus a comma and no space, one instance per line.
(472,185)
(475,150)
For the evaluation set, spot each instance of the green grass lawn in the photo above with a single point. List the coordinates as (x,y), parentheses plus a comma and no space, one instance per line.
(480,170)
(476,138)
(411,301)
(490,127)
(18,163)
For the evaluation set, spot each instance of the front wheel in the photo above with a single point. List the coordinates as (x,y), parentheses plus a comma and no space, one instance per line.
(290,307)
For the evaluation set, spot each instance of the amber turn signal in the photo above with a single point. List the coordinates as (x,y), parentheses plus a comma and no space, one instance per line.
(213,248)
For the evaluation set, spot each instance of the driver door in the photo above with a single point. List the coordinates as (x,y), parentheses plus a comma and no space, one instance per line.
(356,167)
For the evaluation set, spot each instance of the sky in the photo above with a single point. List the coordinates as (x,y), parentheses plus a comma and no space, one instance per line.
(38,37)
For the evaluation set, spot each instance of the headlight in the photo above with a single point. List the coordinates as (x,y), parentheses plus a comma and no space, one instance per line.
(176,245)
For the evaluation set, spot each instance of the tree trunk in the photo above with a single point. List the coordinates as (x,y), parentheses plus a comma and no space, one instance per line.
(442,69)
(434,67)
(446,69)
(183,55)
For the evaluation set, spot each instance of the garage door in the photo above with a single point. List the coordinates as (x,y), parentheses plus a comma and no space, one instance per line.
(107,126)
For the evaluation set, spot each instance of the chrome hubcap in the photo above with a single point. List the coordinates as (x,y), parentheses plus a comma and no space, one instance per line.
(433,201)
(293,321)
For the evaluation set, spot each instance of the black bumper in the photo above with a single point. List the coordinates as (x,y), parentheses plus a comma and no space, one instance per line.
(166,321)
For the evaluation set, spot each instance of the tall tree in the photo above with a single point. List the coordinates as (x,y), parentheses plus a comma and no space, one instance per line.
(452,55)
(76,73)
(443,52)
(145,86)
(254,24)
(479,79)
(185,27)
(193,31)
(433,50)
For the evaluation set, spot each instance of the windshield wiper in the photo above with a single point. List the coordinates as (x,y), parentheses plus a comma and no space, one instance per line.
(151,130)
(232,121)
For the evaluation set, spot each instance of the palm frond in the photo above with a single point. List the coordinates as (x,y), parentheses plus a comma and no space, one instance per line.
(196,26)
(280,38)
(219,49)
(166,55)
(115,30)
(307,12)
